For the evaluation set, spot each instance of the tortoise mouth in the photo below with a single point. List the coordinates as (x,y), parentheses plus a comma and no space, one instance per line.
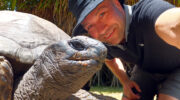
(84,62)
(79,59)
(83,57)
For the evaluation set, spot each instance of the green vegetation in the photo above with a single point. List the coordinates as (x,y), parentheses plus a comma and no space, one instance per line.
(106,89)
(113,92)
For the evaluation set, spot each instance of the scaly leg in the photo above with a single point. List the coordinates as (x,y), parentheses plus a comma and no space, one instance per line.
(6,79)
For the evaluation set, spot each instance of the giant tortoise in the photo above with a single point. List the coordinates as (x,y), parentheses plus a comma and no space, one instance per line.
(38,61)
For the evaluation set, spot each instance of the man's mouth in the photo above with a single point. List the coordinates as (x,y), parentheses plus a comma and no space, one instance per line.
(108,36)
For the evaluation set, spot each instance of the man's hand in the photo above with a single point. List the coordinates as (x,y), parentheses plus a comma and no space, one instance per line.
(128,85)
(128,90)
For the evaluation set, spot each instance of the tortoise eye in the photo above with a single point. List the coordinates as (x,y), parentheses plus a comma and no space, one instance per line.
(77,45)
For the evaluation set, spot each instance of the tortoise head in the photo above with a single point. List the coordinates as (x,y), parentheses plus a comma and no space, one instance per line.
(75,61)
(62,69)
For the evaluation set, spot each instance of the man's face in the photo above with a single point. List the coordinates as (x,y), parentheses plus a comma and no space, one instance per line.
(106,22)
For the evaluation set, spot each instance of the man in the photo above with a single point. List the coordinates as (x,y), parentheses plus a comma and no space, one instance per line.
(136,38)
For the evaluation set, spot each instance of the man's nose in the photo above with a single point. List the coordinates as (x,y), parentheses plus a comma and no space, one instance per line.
(101,27)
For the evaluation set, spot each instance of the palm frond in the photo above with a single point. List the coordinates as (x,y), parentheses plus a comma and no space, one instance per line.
(55,11)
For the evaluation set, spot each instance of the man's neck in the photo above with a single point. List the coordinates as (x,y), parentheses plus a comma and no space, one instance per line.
(128,12)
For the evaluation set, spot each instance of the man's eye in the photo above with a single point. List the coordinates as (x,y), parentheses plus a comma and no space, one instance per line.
(89,27)
(102,14)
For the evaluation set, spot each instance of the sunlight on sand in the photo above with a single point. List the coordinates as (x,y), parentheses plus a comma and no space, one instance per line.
(117,96)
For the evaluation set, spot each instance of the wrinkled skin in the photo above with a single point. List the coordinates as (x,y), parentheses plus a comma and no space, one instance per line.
(53,69)
(62,69)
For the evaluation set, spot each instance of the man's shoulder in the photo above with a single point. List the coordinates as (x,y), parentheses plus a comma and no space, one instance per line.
(147,11)
(146,6)
(143,3)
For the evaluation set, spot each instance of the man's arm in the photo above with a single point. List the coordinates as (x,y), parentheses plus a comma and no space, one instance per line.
(167,26)
(119,72)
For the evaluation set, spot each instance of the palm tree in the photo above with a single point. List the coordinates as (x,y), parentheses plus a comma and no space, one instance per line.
(55,11)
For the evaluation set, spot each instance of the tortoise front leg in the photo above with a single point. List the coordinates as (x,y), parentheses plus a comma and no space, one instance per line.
(6,79)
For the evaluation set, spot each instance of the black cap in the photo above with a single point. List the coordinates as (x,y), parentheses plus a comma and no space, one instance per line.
(80,9)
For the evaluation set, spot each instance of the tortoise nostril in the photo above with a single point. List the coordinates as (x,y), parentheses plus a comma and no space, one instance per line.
(77,45)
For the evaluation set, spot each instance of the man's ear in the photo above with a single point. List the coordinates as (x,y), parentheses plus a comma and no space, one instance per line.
(117,3)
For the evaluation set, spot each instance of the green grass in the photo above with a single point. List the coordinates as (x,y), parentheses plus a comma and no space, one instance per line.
(113,92)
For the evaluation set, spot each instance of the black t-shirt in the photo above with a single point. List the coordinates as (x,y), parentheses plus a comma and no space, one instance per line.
(143,46)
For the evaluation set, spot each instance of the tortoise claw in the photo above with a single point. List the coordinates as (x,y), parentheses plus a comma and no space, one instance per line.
(6,79)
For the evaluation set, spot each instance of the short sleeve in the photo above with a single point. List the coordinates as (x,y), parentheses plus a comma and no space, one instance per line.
(147,11)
